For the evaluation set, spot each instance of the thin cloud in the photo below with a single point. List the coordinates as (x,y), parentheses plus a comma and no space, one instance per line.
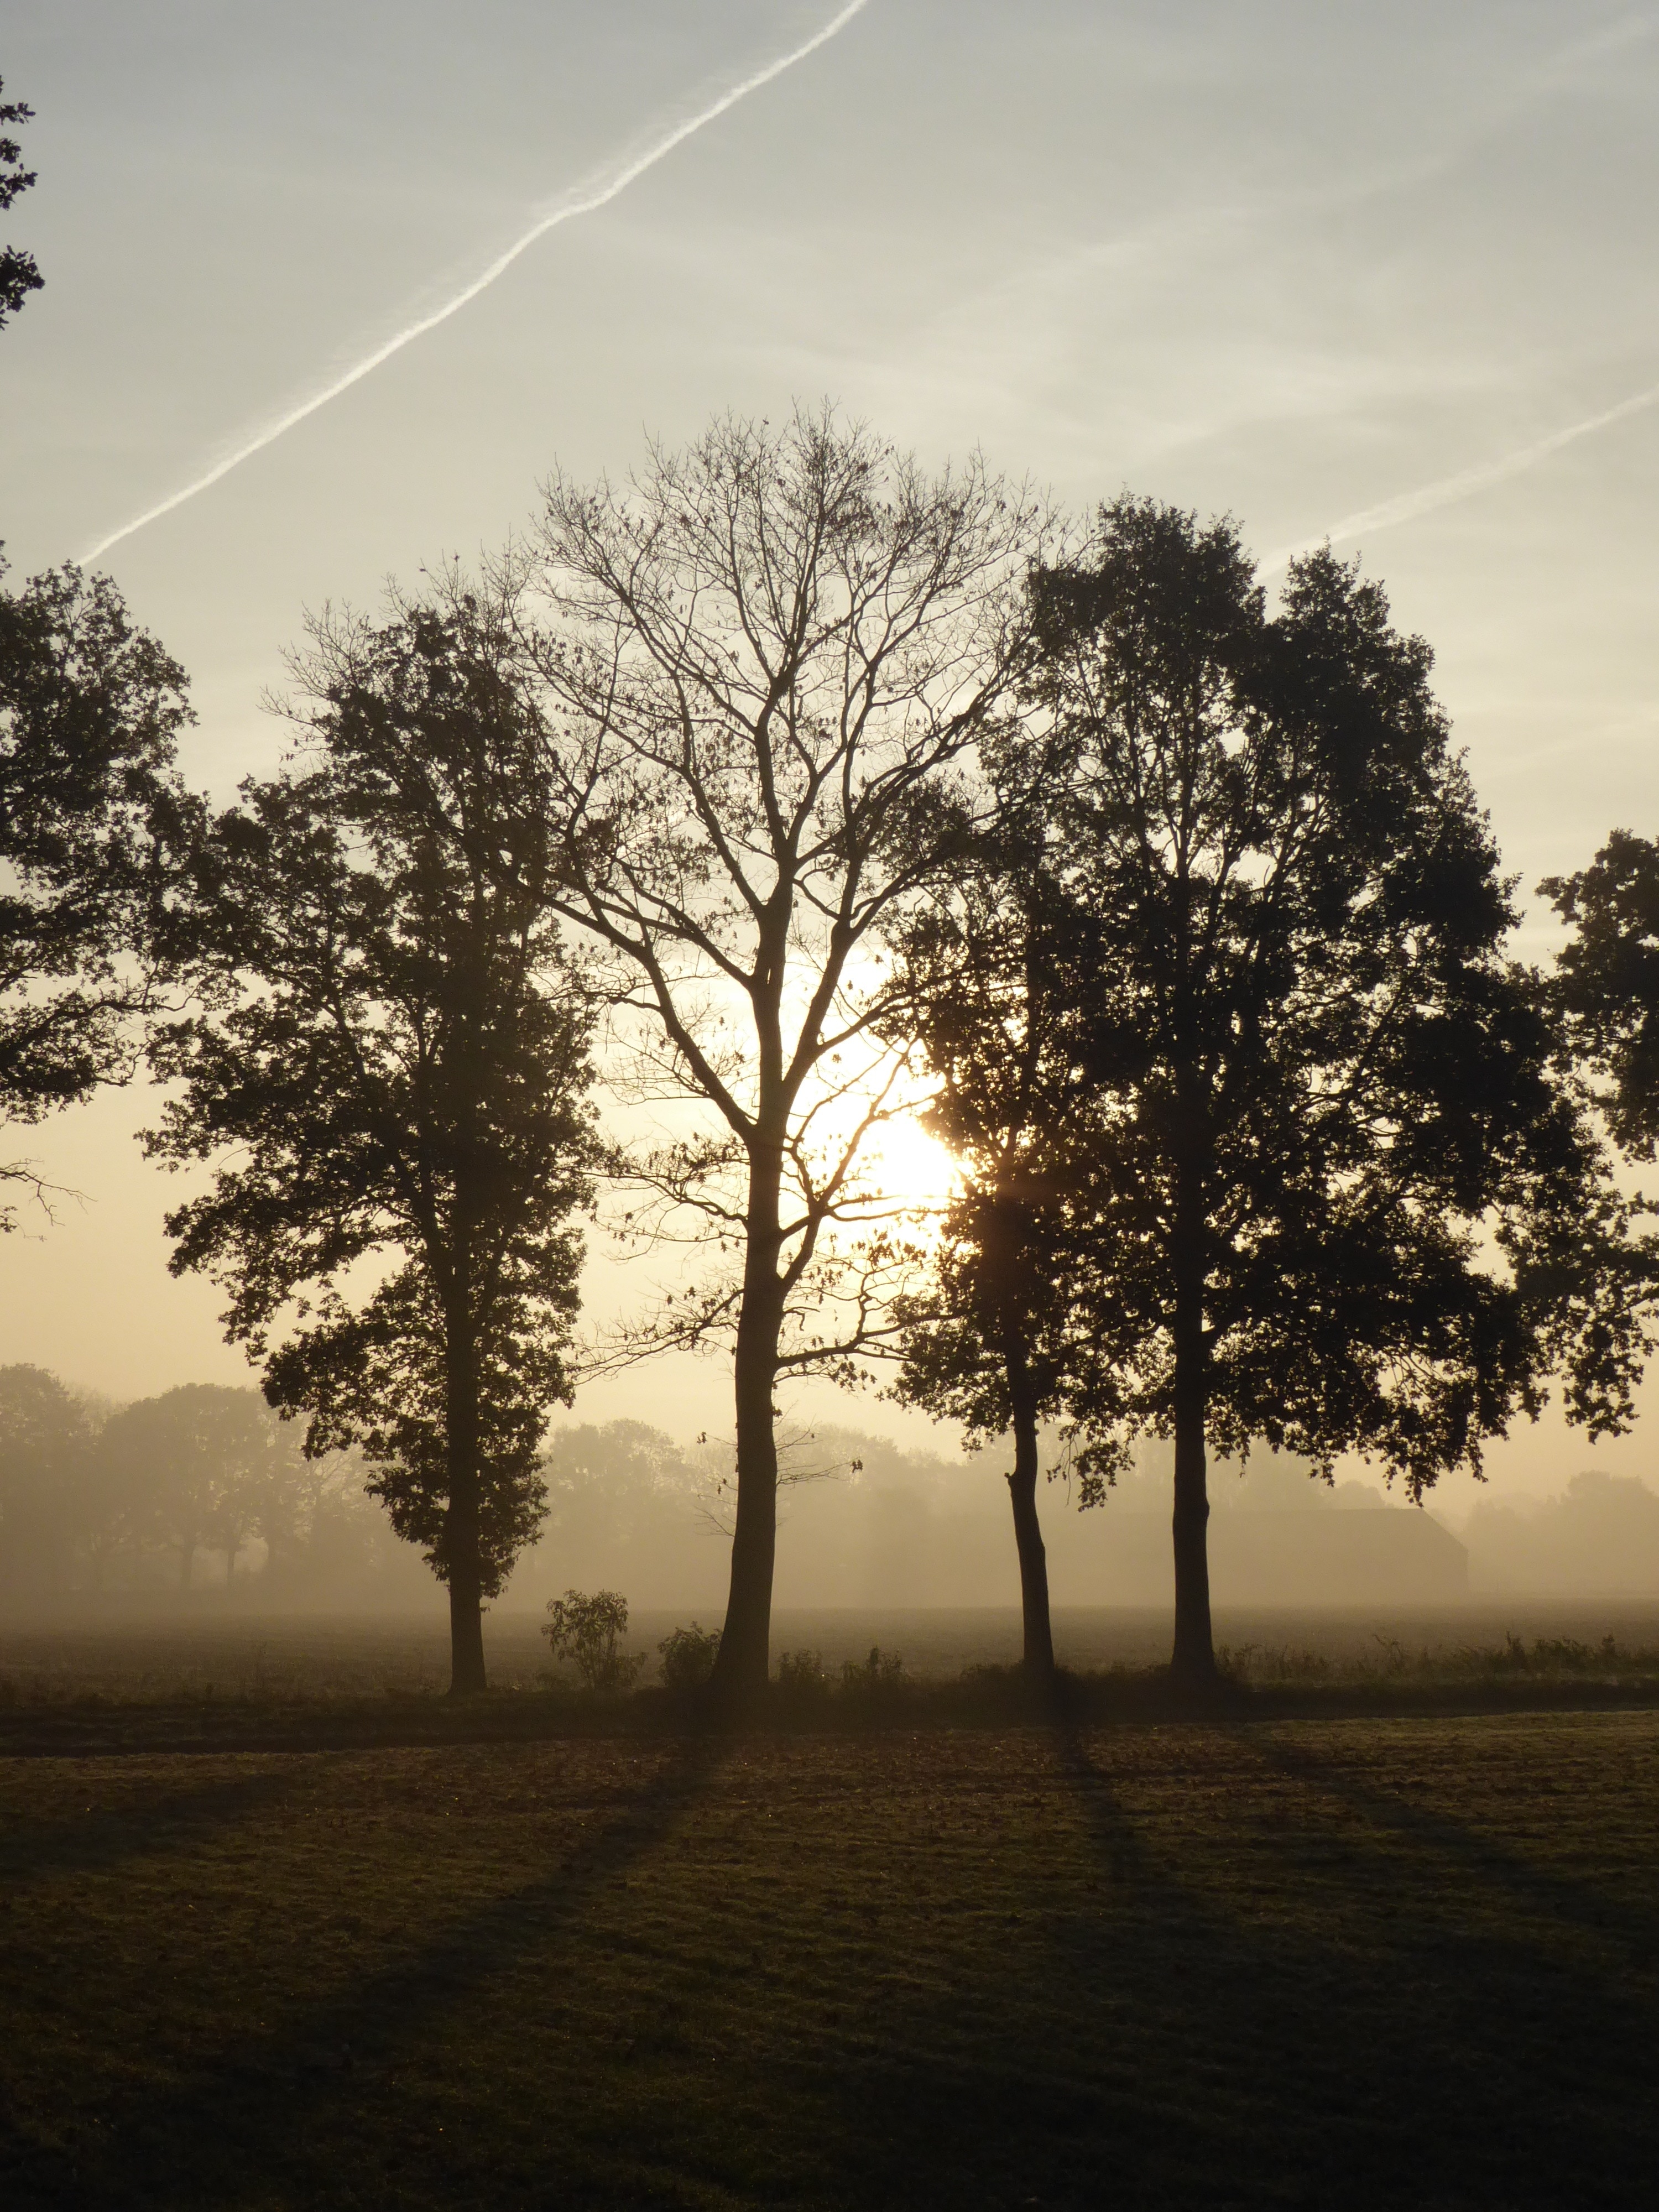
(582,199)
(1445,491)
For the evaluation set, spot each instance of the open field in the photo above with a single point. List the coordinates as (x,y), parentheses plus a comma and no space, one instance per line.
(1366,1963)
(322,1655)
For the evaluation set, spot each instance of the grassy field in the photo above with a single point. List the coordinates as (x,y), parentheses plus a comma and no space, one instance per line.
(1348,1963)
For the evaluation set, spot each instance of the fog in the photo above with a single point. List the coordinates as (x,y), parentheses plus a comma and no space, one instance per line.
(199,1501)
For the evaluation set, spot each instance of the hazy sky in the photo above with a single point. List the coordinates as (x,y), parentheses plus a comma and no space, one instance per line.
(1303,262)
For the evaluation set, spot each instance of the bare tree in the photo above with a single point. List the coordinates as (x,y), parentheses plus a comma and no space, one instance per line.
(768,661)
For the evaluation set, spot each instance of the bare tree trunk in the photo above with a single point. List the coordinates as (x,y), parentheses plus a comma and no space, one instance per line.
(1038,1652)
(744,1660)
(1194,1658)
(466,1659)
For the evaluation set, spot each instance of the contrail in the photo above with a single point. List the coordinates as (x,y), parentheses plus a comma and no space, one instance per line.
(582,199)
(1408,505)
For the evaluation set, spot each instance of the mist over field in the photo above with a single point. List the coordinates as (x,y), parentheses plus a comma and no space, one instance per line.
(199,1505)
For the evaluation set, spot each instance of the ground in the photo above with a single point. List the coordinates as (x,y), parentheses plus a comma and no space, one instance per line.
(1298,1963)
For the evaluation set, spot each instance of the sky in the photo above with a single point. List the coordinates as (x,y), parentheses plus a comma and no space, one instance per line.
(1384,273)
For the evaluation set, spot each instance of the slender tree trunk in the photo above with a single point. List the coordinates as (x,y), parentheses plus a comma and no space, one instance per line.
(1194,1659)
(1037,1651)
(743,1663)
(466,1659)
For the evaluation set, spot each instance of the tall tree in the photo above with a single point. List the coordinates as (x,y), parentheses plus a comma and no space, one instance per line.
(770,658)
(93,825)
(391,1074)
(19,273)
(1607,980)
(994,1340)
(1350,1200)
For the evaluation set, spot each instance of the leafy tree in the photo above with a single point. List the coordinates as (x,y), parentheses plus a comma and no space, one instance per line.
(994,1342)
(201,1468)
(19,274)
(1348,1200)
(389,1073)
(92,827)
(768,658)
(1607,980)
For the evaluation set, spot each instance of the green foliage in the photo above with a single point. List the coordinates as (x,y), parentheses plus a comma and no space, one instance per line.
(688,1657)
(584,1629)
(390,1077)
(93,828)
(1345,1200)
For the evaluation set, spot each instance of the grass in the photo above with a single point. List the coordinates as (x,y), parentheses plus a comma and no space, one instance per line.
(1357,1962)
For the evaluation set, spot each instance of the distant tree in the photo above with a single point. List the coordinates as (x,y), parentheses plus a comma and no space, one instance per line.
(50,1507)
(770,660)
(1348,1199)
(93,825)
(19,275)
(390,1072)
(994,1342)
(1607,980)
(198,1468)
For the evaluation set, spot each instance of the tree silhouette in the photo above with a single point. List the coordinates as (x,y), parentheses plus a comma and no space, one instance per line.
(769,659)
(1607,980)
(1348,1199)
(94,827)
(389,1073)
(994,1343)
(19,275)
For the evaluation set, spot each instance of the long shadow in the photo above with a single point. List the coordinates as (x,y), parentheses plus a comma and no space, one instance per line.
(1560,1896)
(235,2132)
(1170,2048)
(95,1841)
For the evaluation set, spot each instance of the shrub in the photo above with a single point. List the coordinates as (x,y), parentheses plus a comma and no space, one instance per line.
(881,1675)
(583,1629)
(800,1675)
(688,1657)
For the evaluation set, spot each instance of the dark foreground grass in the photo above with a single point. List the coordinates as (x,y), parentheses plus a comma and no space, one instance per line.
(1347,1963)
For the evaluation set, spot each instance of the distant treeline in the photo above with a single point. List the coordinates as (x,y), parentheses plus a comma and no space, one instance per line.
(202,1495)
(201,1488)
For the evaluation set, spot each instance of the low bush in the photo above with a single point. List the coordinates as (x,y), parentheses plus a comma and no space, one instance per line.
(584,1628)
(688,1657)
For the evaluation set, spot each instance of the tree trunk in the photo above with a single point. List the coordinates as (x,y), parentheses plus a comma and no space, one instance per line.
(743,1663)
(1038,1652)
(466,1659)
(1194,1659)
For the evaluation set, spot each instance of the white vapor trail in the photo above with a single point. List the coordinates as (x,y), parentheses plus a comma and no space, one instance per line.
(1407,505)
(582,199)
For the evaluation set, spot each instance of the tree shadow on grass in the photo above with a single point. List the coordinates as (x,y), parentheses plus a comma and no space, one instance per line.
(1541,1889)
(260,2126)
(1197,2043)
(109,1836)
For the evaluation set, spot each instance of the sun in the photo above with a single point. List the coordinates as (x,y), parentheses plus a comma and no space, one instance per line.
(906,1163)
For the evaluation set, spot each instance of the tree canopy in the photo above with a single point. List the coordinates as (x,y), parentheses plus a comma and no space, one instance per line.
(767,663)
(390,1075)
(1607,980)
(19,274)
(1347,1201)
(94,824)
